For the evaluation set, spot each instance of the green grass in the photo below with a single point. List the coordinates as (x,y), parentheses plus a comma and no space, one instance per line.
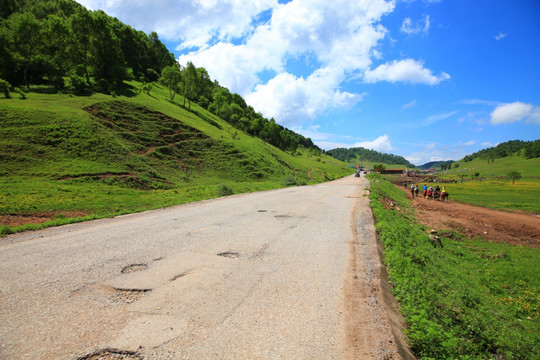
(529,168)
(501,195)
(469,299)
(103,155)
(523,195)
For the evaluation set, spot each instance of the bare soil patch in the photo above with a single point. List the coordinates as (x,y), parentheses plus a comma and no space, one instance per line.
(38,217)
(516,228)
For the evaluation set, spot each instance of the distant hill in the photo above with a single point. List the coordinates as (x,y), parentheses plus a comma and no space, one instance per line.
(437,165)
(527,149)
(359,154)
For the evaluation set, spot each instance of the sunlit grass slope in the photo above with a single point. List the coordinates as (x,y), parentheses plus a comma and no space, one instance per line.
(101,155)
(529,168)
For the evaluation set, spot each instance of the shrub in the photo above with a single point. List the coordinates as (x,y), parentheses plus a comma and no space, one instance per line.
(20,92)
(78,82)
(289,181)
(4,88)
(224,190)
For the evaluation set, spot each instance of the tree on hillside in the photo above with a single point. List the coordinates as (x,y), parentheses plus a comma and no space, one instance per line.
(160,56)
(81,28)
(205,87)
(57,50)
(191,83)
(26,38)
(171,78)
(514,175)
(378,167)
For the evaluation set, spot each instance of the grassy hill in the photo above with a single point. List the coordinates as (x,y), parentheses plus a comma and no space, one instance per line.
(69,158)
(529,168)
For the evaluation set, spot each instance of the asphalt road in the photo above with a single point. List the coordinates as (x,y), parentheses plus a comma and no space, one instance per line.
(284,274)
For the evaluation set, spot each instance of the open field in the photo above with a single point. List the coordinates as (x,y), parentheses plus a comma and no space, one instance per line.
(501,195)
(529,168)
(463,297)
(523,195)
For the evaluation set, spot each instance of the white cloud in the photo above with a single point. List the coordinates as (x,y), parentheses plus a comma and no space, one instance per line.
(194,21)
(469,143)
(340,37)
(407,70)
(293,100)
(382,144)
(534,117)
(436,118)
(509,113)
(409,105)
(500,36)
(409,27)
(479,102)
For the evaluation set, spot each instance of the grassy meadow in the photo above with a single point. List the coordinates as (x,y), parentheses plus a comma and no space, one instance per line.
(467,299)
(524,195)
(101,155)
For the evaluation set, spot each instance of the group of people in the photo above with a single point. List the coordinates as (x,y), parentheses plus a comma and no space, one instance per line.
(430,192)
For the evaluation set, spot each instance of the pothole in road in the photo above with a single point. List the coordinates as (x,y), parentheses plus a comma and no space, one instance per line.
(229,254)
(112,354)
(104,295)
(129,295)
(179,276)
(134,268)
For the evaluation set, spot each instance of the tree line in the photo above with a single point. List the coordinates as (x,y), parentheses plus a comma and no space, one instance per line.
(529,149)
(61,43)
(195,85)
(351,154)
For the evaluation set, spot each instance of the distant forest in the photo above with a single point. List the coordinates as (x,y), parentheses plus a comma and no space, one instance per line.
(443,165)
(63,45)
(529,149)
(352,154)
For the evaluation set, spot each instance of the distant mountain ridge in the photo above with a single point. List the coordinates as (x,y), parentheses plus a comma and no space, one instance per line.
(528,149)
(437,165)
(362,154)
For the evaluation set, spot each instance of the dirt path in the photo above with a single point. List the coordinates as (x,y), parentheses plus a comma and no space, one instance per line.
(511,227)
(291,273)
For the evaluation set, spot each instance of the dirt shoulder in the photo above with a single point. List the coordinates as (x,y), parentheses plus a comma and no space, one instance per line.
(516,228)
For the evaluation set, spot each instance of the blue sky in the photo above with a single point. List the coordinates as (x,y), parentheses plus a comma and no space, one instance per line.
(427,80)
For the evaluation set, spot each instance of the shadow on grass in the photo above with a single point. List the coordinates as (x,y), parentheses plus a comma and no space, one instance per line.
(126,90)
(197,113)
